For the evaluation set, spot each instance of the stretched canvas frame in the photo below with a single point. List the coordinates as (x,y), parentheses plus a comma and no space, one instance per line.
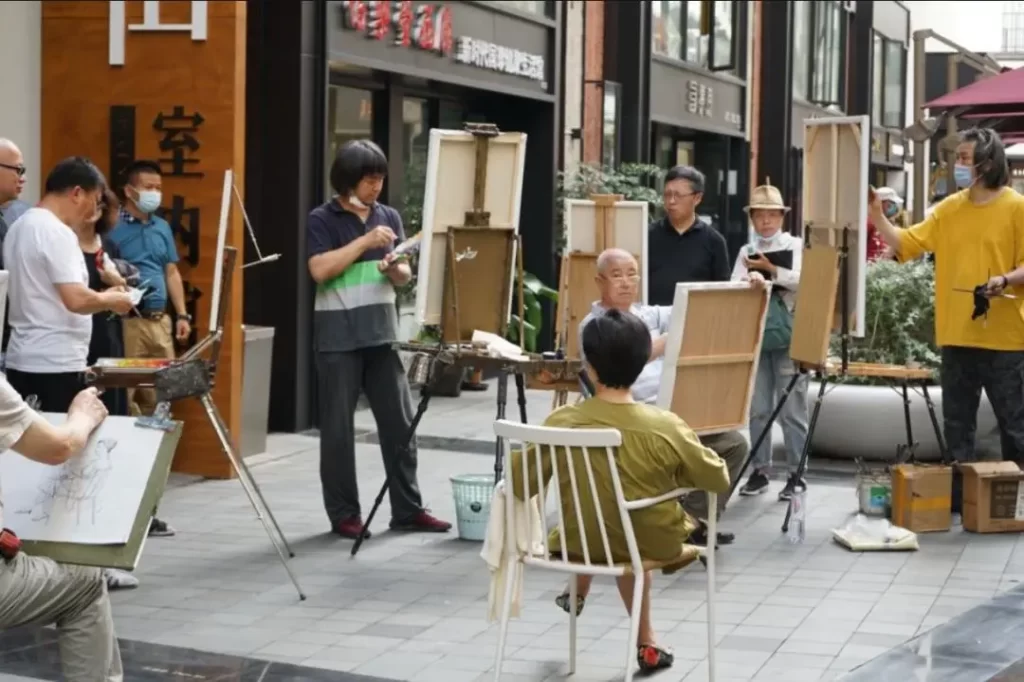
(476,281)
(711,354)
(626,227)
(836,161)
(452,156)
(126,556)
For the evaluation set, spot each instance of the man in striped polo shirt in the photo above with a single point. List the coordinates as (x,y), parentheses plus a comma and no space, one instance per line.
(355,322)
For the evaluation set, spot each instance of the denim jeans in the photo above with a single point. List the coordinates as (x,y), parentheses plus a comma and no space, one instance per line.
(774,372)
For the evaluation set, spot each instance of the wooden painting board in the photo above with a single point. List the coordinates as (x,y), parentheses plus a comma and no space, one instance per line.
(476,282)
(124,556)
(625,227)
(711,355)
(813,317)
(836,158)
(451,160)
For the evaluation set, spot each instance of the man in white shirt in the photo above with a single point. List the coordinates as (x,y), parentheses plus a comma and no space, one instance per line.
(618,276)
(50,302)
(37,591)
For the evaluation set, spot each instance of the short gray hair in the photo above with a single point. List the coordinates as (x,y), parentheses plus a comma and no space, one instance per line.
(609,257)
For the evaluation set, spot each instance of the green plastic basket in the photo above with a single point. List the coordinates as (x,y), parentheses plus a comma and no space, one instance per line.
(472,494)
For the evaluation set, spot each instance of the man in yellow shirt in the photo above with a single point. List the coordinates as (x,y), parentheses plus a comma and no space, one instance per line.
(977,236)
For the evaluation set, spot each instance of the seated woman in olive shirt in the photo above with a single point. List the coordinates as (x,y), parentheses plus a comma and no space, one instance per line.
(659,452)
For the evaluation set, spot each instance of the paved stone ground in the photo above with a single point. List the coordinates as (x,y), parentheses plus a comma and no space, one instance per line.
(413,607)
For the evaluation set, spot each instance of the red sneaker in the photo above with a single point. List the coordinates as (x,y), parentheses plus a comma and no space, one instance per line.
(350,528)
(422,523)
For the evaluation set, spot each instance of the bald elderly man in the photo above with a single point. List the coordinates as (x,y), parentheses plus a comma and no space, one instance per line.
(12,182)
(618,277)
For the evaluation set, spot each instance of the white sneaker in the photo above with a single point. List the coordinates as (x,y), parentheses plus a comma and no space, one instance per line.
(120,580)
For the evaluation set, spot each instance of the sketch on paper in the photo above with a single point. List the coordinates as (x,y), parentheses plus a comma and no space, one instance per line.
(93,498)
(75,489)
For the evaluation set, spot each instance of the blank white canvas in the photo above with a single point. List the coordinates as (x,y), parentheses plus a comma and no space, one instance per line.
(4,276)
(91,499)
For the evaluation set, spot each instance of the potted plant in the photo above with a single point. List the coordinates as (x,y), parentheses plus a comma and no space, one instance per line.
(863,417)
(634,181)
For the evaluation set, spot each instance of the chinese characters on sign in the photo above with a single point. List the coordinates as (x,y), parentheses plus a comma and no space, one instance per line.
(150,22)
(487,55)
(424,27)
(179,144)
(700,100)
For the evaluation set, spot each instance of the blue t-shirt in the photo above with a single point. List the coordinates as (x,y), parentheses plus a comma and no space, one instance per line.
(149,246)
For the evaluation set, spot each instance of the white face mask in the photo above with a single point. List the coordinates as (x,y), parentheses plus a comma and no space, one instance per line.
(767,242)
(354,200)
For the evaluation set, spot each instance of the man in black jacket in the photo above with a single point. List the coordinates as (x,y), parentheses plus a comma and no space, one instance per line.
(681,247)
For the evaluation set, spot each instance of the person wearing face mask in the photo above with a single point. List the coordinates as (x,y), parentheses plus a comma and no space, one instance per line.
(350,241)
(977,236)
(774,256)
(50,301)
(892,206)
(145,240)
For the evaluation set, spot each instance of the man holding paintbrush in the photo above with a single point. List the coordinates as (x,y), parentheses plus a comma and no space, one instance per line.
(977,236)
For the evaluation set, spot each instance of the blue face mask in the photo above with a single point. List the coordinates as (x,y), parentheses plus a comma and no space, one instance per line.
(149,200)
(963,175)
(891,210)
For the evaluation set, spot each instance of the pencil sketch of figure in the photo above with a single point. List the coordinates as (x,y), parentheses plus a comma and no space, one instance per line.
(77,486)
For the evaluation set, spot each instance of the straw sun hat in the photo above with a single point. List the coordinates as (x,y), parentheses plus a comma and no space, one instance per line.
(766,197)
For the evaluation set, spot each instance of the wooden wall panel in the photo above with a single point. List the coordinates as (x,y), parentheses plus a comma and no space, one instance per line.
(181,97)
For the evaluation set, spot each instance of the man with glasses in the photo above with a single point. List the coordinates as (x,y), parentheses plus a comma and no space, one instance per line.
(681,247)
(12,182)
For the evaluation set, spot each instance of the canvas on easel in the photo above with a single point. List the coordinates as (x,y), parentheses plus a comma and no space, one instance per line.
(836,156)
(711,354)
(474,180)
(592,225)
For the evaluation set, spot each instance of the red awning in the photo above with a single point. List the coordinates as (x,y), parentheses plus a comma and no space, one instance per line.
(1006,88)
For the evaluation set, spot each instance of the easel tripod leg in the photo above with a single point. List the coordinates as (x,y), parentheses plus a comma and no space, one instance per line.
(906,419)
(764,433)
(521,396)
(420,411)
(256,499)
(802,467)
(502,403)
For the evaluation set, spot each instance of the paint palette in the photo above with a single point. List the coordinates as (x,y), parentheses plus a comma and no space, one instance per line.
(129,364)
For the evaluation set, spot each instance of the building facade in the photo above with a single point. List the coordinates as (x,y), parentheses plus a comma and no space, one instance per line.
(321,74)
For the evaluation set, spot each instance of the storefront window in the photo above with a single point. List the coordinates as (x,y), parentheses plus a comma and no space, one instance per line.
(349,117)
(666,34)
(696,38)
(892,108)
(610,142)
(530,6)
(415,142)
(722,45)
(801,48)
(827,67)
(877,79)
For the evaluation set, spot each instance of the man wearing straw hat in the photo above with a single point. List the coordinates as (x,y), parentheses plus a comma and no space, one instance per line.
(774,256)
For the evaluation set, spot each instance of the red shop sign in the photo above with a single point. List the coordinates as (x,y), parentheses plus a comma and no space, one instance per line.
(422,27)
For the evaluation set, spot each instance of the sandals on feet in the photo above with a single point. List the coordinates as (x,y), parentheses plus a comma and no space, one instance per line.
(563,602)
(651,658)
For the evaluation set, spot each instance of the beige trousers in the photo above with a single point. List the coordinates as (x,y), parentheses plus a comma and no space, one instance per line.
(146,338)
(39,591)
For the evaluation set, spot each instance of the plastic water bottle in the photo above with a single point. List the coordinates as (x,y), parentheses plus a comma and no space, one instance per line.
(797,517)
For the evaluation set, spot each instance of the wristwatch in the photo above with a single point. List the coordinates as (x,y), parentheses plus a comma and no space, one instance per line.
(184,316)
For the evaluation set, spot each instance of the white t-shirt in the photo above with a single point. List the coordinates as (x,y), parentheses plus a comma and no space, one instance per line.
(41,252)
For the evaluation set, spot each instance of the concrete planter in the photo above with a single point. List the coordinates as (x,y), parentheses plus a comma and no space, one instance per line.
(867,422)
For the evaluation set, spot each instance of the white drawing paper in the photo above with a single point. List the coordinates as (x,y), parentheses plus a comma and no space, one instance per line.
(91,499)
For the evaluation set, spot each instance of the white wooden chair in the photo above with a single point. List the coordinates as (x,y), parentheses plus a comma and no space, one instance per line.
(585,444)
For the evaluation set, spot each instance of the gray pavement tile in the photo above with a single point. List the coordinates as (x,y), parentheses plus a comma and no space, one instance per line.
(741,643)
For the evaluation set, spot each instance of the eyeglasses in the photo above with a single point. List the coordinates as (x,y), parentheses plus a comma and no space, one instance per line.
(622,278)
(675,196)
(19,170)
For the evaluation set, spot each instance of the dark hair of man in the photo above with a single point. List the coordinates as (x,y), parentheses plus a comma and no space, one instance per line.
(616,345)
(688,173)
(109,212)
(989,157)
(130,175)
(72,172)
(356,160)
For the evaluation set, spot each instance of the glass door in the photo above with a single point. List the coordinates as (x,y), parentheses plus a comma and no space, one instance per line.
(349,117)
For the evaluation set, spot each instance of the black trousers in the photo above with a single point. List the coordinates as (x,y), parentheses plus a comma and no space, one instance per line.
(341,377)
(965,372)
(54,391)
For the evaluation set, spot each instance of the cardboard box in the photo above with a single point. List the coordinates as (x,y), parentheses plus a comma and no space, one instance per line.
(993,497)
(921,497)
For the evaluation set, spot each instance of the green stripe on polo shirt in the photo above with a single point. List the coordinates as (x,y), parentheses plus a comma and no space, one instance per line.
(364,272)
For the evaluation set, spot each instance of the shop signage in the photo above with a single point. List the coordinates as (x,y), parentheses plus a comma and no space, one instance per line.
(700,100)
(417,26)
(150,22)
(487,55)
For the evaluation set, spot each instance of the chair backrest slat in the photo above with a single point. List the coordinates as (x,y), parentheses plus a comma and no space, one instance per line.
(599,512)
(542,496)
(557,485)
(578,508)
